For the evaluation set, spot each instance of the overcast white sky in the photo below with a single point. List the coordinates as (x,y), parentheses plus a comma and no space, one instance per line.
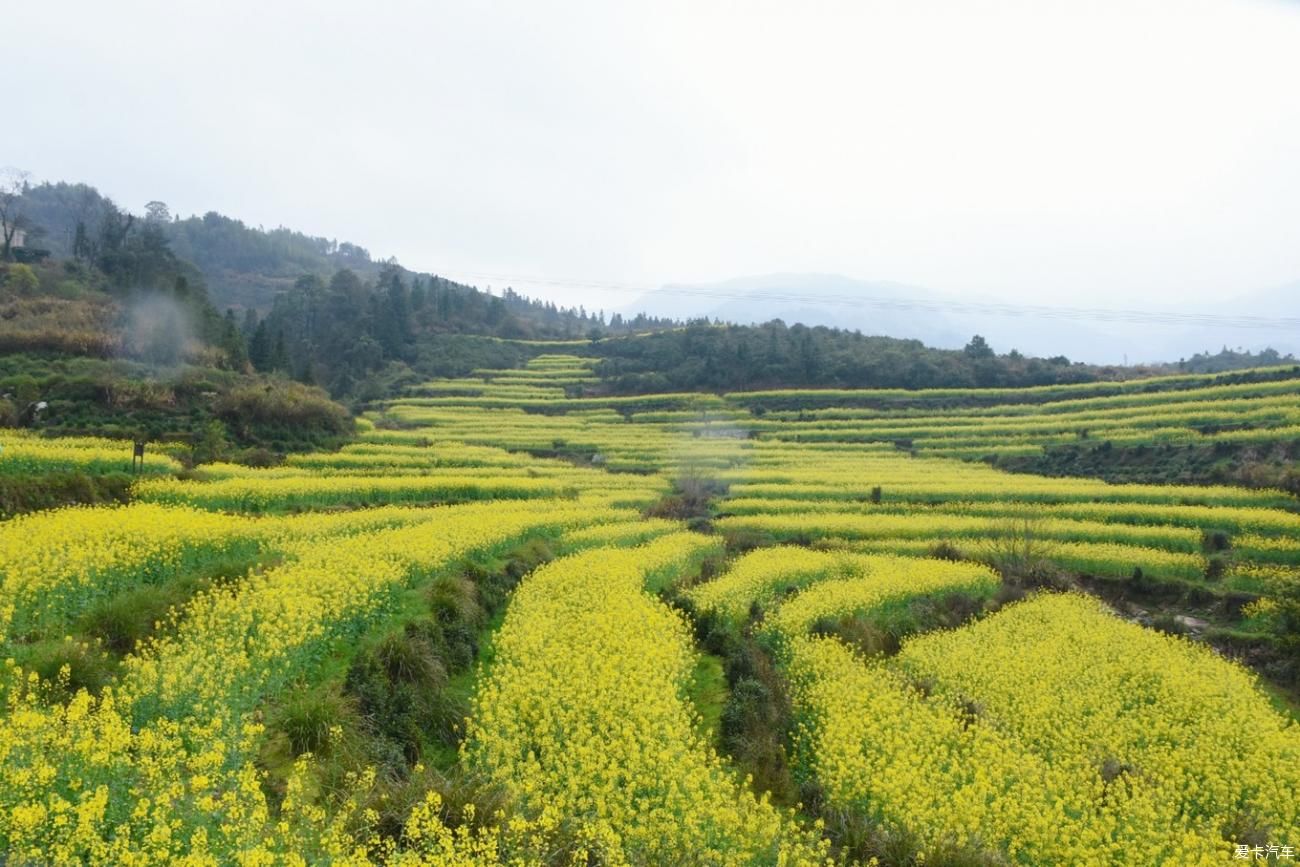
(1108,152)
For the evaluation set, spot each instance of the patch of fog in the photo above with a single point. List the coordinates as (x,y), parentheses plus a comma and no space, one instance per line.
(159,330)
(707,447)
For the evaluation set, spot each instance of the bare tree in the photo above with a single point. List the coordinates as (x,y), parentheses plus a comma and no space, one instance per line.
(1021,550)
(13,183)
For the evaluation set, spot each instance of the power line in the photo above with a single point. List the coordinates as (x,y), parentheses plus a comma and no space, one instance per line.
(1096,314)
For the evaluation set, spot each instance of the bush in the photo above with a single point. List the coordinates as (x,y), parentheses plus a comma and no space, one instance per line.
(123,621)
(50,490)
(453,599)
(863,634)
(210,443)
(1215,540)
(308,718)
(690,500)
(257,457)
(412,656)
(467,799)
(88,666)
(286,403)
(527,557)
(495,581)
(742,540)
(946,551)
(460,646)
(21,279)
(1020,550)
(398,686)
(756,720)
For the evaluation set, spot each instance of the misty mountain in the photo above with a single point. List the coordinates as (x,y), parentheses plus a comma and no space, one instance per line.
(873,307)
(1279,302)
(899,310)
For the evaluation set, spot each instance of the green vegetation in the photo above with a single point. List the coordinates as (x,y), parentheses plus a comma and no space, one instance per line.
(293,646)
(30,493)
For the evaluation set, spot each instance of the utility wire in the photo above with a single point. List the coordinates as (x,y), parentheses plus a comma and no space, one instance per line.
(1096,314)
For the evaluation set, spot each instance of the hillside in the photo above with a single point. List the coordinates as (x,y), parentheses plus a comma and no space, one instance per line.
(325,313)
(809,620)
(128,345)
(249,268)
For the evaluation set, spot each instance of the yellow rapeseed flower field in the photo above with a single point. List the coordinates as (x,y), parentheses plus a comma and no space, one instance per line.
(673,580)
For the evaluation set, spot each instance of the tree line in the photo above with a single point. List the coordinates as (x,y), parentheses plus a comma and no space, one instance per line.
(707,356)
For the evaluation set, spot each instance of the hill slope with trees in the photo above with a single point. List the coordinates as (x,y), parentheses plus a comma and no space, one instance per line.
(326,313)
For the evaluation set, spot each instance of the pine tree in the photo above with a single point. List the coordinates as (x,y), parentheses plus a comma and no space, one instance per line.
(232,341)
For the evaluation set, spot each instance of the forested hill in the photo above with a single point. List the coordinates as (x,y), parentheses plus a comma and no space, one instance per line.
(327,314)
(774,355)
(250,268)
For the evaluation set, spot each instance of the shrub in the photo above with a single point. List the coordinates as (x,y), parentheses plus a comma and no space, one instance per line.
(946,550)
(453,599)
(1215,540)
(399,686)
(308,718)
(123,621)
(21,279)
(740,540)
(70,666)
(258,457)
(1021,550)
(690,499)
(282,402)
(411,656)
(861,633)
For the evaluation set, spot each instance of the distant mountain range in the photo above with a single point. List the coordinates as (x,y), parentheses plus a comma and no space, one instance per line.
(946,321)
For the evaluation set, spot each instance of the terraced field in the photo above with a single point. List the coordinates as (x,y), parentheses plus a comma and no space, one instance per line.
(519,622)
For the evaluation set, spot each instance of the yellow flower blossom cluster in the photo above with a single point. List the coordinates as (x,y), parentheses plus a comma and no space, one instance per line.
(22,454)
(846,471)
(767,573)
(874,581)
(583,714)
(828,491)
(634,530)
(1258,525)
(1104,559)
(167,751)
(1016,427)
(930,525)
(1052,732)
(53,565)
(877,746)
(314,491)
(1268,555)
(961,783)
(437,453)
(186,807)
(236,643)
(1187,736)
